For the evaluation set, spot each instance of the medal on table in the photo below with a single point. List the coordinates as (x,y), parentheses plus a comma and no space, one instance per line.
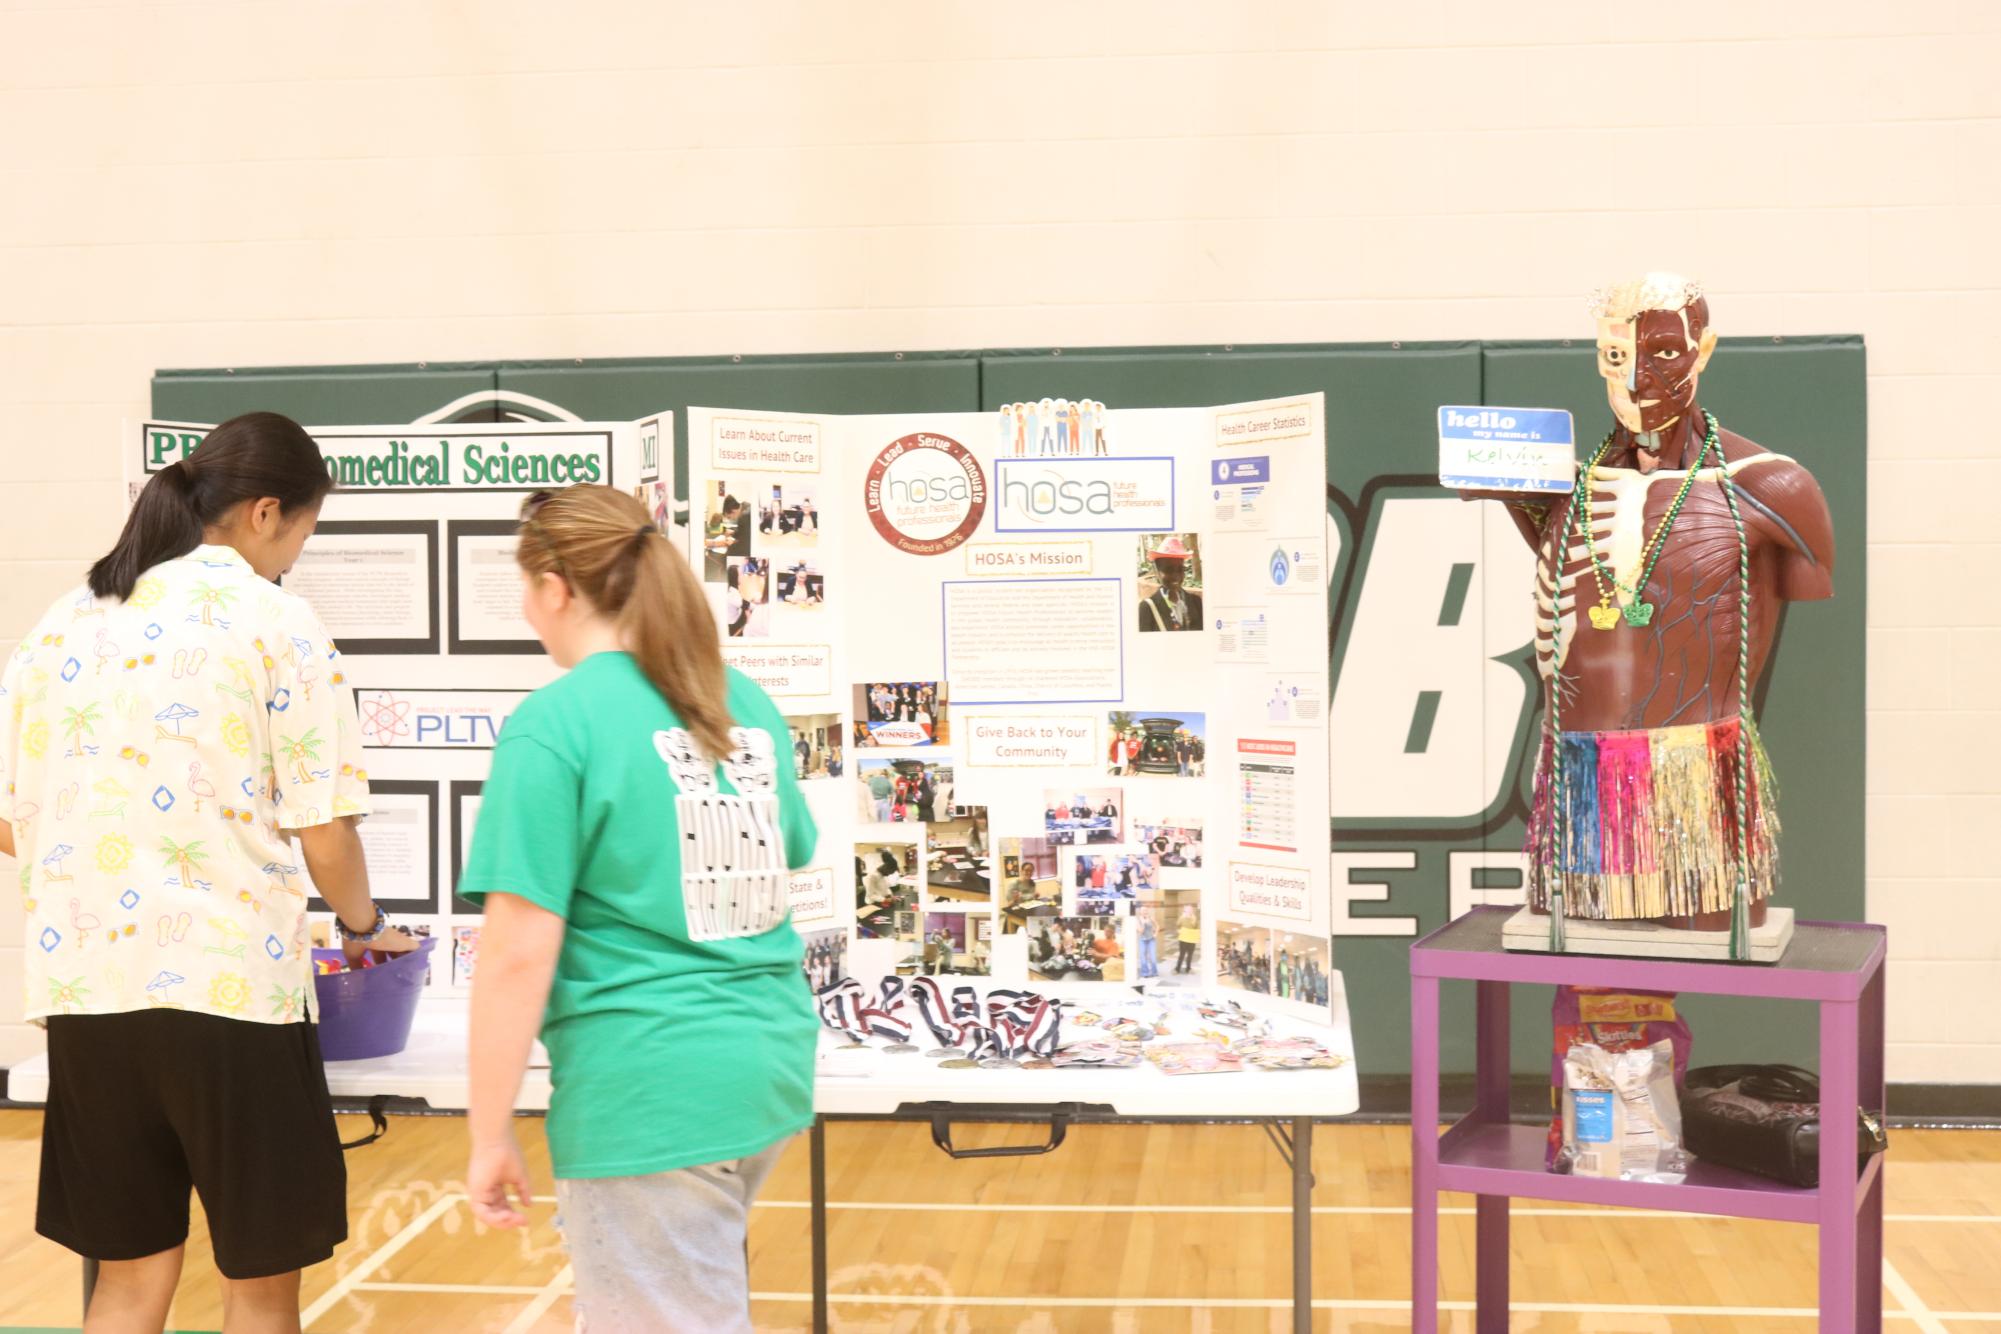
(887,1017)
(840,1009)
(929,997)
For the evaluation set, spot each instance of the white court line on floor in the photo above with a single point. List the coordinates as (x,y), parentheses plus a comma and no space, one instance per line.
(1276,1304)
(479,1289)
(1349,1210)
(551,1293)
(1929,1320)
(1355,1210)
(1913,1306)
(1914,1309)
(1907,1297)
(1285,1303)
(359,1274)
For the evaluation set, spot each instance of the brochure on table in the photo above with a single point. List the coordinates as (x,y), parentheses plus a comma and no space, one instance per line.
(411,569)
(1052,673)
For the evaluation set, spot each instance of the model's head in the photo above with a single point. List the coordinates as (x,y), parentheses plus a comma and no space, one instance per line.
(1654,340)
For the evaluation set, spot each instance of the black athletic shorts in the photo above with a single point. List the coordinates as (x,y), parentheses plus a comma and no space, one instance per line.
(145,1106)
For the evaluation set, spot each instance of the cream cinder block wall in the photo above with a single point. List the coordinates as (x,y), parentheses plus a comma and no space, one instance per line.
(210,184)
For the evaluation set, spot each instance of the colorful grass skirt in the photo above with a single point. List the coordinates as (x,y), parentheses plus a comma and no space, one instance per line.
(1650,822)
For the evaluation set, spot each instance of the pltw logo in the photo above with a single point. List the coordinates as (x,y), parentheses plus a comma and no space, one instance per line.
(1086,495)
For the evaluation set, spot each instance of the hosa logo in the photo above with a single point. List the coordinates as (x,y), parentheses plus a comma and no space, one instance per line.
(925,494)
(1084,495)
(1053,494)
(952,488)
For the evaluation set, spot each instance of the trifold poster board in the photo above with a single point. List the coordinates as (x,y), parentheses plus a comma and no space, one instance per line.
(412,571)
(1056,678)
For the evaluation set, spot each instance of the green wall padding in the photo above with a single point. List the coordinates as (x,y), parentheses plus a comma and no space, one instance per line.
(624,391)
(321,396)
(1800,396)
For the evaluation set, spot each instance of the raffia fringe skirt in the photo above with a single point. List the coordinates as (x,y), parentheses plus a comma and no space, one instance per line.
(1650,822)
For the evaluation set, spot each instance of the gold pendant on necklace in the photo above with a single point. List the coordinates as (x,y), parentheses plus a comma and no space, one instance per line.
(1604,617)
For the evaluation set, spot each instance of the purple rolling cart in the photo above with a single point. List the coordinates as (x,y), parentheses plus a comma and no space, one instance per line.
(1837,965)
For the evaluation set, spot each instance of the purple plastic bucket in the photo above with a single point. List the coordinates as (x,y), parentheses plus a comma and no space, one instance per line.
(368,1013)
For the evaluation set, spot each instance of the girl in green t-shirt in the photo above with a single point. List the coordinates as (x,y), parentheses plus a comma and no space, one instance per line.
(633,850)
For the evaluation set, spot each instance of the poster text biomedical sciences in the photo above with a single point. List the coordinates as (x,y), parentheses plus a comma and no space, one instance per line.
(439,462)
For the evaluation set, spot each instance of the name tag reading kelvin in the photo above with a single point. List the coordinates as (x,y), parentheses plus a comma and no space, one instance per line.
(1506,449)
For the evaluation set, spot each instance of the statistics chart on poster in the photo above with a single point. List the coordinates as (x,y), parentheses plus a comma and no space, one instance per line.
(1056,682)
(1268,815)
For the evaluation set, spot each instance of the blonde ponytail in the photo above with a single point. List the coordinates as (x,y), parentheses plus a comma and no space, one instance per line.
(669,631)
(604,544)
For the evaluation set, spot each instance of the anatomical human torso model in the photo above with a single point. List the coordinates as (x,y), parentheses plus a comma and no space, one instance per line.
(1659,586)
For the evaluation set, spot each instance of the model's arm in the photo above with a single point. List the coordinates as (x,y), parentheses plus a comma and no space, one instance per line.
(1530,513)
(1784,503)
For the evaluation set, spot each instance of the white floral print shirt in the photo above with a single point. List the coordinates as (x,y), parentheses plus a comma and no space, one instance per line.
(152,754)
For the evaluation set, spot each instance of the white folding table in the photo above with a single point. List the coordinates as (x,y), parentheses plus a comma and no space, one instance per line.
(874,1085)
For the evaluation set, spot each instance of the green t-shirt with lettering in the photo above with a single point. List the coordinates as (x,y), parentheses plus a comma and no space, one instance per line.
(680,1028)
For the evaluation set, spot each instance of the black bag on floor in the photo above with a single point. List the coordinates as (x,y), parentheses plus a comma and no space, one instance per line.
(1764,1119)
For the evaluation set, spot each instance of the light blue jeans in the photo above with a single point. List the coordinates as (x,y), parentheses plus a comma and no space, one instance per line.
(667,1253)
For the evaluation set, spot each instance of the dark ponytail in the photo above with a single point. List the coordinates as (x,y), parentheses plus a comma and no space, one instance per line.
(246,458)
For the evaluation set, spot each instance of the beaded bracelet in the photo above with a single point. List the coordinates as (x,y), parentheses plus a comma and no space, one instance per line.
(374,932)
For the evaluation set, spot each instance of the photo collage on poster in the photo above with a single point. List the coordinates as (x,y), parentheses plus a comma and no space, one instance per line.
(1071,730)
(761,547)
(927,883)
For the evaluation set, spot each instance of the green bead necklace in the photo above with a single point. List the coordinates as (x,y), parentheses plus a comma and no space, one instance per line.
(1638,612)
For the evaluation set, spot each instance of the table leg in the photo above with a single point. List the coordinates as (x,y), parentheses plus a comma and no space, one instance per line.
(1424,1155)
(819,1173)
(1869,1259)
(1302,1225)
(1840,1050)
(1494,1067)
(1869,1225)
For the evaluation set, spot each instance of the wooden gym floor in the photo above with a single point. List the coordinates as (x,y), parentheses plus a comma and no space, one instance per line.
(1125,1230)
